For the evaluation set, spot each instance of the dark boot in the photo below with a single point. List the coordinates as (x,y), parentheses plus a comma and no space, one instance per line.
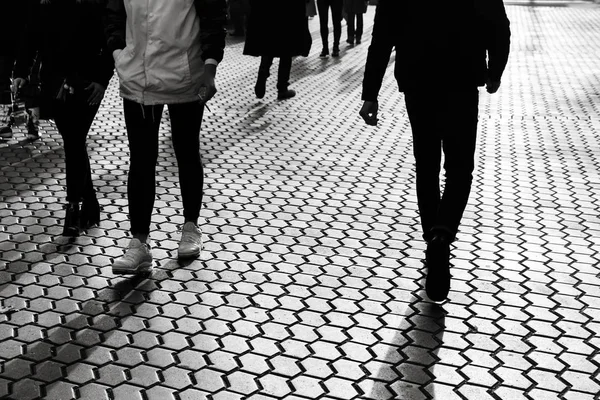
(90,213)
(71,227)
(336,51)
(437,257)
(261,85)
(286,94)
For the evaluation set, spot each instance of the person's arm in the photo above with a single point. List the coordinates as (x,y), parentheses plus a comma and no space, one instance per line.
(497,41)
(115,20)
(380,50)
(213,19)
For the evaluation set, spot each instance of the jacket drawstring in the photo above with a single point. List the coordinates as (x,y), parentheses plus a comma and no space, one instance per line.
(143,111)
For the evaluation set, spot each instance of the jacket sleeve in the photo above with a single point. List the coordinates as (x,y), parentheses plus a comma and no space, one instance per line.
(380,50)
(115,19)
(497,37)
(213,18)
(30,43)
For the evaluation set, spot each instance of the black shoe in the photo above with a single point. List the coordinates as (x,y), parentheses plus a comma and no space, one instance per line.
(324,53)
(71,227)
(350,41)
(261,86)
(437,258)
(286,94)
(90,214)
(335,52)
(358,41)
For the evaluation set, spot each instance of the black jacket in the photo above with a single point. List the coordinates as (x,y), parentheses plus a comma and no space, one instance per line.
(278,28)
(69,39)
(439,44)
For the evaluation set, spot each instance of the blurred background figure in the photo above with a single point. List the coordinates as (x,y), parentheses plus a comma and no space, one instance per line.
(14,26)
(354,10)
(311,9)
(76,67)
(277,29)
(238,11)
(336,17)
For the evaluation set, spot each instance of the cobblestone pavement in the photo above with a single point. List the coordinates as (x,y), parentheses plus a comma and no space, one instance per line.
(311,282)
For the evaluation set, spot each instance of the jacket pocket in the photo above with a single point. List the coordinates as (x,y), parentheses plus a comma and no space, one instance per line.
(169,74)
(130,70)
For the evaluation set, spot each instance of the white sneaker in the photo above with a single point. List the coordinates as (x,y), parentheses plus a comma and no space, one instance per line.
(191,241)
(137,259)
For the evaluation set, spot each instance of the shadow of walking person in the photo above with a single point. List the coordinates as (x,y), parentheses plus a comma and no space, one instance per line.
(413,352)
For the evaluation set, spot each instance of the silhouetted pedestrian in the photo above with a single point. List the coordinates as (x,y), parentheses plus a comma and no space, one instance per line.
(336,18)
(441,48)
(76,67)
(277,29)
(354,16)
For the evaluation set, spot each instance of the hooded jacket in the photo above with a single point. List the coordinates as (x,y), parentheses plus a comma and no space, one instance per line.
(164,46)
(439,44)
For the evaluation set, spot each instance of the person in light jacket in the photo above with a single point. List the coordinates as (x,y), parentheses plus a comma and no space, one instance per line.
(166,53)
(445,50)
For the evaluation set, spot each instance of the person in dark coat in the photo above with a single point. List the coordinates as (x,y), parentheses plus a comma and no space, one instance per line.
(277,29)
(354,16)
(76,67)
(337,8)
(12,40)
(445,50)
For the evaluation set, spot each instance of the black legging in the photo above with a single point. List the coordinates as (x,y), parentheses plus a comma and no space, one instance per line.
(143,123)
(336,16)
(73,119)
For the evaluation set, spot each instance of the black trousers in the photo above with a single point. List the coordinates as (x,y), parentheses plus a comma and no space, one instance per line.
(73,119)
(336,17)
(355,31)
(283,73)
(143,123)
(443,122)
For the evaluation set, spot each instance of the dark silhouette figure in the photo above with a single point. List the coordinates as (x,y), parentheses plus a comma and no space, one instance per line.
(441,50)
(277,29)
(336,18)
(76,67)
(354,16)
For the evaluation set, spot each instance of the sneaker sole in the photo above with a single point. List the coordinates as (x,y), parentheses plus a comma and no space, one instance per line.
(184,256)
(140,269)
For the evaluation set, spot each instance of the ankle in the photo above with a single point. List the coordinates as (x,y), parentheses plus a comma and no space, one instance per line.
(142,237)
